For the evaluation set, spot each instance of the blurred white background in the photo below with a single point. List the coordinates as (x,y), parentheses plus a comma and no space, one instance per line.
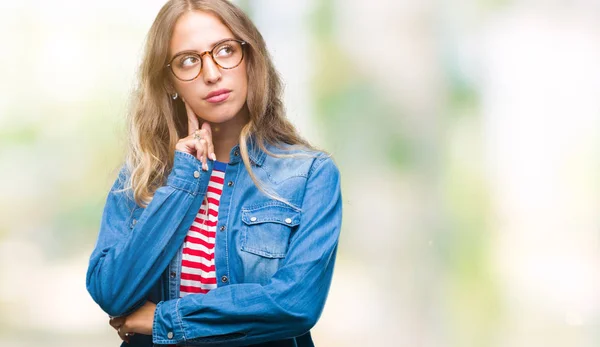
(467,134)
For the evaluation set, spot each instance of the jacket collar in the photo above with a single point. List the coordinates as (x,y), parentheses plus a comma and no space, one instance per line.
(257,155)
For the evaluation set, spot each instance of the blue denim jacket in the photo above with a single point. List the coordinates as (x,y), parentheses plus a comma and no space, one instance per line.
(274,262)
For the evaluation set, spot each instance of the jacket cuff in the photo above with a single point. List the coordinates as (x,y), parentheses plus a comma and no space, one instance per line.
(167,327)
(187,173)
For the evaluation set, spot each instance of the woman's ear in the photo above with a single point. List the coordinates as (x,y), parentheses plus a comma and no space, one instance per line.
(169,88)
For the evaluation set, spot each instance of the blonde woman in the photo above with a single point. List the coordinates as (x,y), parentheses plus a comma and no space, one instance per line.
(222,226)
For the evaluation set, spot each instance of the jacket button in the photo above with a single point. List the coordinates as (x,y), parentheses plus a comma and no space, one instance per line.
(224,279)
(253,219)
(230,183)
(170,335)
(196,174)
(222,228)
(134,222)
(288,220)
(172,274)
(236,153)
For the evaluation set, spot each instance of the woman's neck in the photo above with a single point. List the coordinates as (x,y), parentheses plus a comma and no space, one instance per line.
(227,134)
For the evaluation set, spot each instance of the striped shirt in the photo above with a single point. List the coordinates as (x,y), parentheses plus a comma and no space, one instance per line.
(198,260)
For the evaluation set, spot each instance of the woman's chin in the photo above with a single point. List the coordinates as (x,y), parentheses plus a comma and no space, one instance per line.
(224,116)
(218,119)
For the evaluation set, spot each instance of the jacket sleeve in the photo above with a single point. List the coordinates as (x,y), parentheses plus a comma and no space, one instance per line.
(126,262)
(289,304)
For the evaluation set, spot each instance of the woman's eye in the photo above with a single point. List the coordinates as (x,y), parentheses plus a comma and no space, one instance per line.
(225,51)
(188,61)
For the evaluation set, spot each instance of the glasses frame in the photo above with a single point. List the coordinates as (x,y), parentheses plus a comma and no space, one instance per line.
(201,57)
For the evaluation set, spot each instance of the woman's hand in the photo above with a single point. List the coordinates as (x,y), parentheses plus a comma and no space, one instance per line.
(139,322)
(199,140)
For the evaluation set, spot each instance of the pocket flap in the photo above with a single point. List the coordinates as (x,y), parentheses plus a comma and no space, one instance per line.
(282,214)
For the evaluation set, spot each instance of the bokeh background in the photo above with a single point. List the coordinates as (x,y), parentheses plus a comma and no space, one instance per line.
(467,134)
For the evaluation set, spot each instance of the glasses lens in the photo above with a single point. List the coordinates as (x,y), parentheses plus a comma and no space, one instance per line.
(228,54)
(187,66)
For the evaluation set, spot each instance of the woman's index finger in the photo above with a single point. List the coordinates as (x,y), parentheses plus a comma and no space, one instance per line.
(193,123)
(206,126)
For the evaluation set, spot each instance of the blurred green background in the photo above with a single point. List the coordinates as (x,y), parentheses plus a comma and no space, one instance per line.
(467,134)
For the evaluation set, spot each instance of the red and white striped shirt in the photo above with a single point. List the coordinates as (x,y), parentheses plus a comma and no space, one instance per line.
(198,260)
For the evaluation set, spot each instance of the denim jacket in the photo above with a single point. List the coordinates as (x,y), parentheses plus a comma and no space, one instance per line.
(274,261)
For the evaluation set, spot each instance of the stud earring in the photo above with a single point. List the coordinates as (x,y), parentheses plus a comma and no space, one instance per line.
(174,96)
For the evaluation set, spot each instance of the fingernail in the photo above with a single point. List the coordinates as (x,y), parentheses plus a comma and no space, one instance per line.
(213,156)
(202,158)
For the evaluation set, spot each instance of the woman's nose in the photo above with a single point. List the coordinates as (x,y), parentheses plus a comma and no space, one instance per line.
(212,72)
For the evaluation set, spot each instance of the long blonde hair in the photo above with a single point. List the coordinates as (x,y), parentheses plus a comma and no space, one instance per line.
(156,122)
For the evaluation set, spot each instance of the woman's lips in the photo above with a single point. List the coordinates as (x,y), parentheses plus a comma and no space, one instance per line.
(218,96)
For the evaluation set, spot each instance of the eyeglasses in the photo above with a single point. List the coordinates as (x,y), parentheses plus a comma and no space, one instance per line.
(227,54)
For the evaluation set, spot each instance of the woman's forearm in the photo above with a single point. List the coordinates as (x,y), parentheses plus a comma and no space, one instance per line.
(127,262)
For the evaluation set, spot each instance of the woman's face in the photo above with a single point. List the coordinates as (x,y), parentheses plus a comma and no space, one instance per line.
(198,32)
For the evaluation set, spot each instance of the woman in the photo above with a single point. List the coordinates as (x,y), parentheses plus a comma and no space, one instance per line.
(223,224)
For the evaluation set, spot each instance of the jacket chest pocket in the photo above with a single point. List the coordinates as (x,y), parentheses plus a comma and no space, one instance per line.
(267,229)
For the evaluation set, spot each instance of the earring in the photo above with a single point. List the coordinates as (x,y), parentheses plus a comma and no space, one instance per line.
(174,96)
